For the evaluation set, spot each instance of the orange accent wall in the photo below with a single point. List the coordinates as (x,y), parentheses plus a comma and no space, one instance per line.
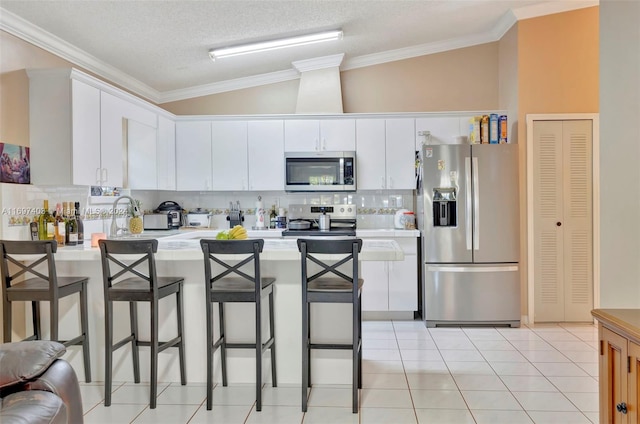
(558,64)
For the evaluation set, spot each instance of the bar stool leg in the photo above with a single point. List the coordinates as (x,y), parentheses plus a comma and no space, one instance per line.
(272,332)
(54,308)
(223,345)
(135,350)
(305,352)
(6,320)
(35,313)
(258,356)
(108,350)
(183,369)
(84,324)
(154,353)
(309,345)
(354,359)
(209,353)
(360,344)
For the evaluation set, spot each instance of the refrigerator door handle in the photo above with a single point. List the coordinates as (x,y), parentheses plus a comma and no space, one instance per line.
(467,173)
(476,206)
(437,268)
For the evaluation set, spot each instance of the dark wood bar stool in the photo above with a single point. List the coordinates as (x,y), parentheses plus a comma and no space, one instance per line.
(143,286)
(225,287)
(41,287)
(339,289)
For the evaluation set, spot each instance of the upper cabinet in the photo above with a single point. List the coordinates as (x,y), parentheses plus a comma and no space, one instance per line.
(193,155)
(229,149)
(64,127)
(386,154)
(310,135)
(166,153)
(266,155)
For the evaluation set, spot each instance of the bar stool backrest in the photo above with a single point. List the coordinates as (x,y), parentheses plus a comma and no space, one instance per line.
(112,252)
(348,247)
(10,249)
(212,249)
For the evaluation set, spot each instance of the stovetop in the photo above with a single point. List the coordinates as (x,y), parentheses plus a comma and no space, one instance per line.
(314,232)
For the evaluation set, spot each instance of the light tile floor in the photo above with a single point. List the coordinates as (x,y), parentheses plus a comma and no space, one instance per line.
(541,374)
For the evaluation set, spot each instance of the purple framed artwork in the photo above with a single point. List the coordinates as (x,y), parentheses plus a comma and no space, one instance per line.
(14,164)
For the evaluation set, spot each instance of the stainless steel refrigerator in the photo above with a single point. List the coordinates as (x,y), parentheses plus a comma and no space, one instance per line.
(468,212)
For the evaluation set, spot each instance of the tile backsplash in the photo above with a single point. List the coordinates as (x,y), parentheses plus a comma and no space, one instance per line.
(20,203)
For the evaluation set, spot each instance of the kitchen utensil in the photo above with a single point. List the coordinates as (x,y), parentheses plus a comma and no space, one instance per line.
(299,224)
(235,214)
(324,221)
(197,218)
(174,210)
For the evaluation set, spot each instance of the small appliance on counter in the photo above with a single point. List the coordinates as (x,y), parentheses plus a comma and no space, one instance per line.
(157,221)
(174,212)
(197,218)
(235,214)
(324,220)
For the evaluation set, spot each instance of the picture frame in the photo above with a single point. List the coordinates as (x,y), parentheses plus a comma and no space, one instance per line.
(15,164)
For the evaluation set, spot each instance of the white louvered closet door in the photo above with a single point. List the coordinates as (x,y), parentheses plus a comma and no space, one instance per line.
(563,268)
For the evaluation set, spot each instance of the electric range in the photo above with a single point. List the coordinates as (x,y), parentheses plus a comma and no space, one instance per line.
(343,221)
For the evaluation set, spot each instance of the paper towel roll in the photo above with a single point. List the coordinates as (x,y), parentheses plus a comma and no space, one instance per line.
(259,214)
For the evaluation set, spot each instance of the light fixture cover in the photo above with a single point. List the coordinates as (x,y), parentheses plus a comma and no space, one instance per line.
(275,44)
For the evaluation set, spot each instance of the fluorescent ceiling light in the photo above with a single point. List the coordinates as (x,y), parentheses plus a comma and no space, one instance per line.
(275,44)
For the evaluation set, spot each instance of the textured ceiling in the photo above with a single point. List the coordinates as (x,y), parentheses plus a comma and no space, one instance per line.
(164,44)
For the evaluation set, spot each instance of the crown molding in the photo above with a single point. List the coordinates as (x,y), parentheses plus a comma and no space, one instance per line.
(25,30)
(552,7)
(228,85)
(318,63)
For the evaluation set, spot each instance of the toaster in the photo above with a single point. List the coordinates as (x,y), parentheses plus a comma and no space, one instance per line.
(157,221)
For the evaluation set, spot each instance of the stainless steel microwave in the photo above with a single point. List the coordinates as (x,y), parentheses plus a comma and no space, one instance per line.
(320,171)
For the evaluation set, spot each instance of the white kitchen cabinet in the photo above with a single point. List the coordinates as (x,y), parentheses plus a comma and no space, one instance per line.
(385,154)
(166,153)
(142,163)
(229,149)
(193,155)
(265,148)
(392,285)
(64,127)
(311,135)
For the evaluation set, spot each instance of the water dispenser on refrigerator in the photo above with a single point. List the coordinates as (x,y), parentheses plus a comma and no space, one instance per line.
(444,207)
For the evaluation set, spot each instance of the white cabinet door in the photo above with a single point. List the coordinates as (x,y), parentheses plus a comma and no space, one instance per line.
(85,119)
(266,155)
(111,140)
(400,152)
(403,284)
(301,135)
(193,155)
(337,135)
(370,154)
(142,163)
(229,148)
(166,154)
(375,291)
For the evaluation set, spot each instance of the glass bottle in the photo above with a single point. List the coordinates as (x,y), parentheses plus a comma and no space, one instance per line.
(80,223)
(60,226)
(46,223)
(72,227)
(273,217)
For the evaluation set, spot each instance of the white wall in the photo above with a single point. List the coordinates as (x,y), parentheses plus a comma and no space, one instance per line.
(620,153)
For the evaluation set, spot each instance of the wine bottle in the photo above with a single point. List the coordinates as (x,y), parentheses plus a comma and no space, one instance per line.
(46,227)
(60,226)
(80,223)
(72,227)
(272,217)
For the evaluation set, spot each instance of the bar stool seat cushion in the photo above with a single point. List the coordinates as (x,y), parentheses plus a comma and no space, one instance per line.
(333,285)
(240,285)
(39,284)
(135,284)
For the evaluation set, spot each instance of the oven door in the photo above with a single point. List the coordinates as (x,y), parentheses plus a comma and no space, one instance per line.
(323,171)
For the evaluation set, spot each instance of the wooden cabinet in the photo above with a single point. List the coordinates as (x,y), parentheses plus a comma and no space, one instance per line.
(619,335)
(265,150)
(193,155)
(392,285)
(385,154)
(310,135)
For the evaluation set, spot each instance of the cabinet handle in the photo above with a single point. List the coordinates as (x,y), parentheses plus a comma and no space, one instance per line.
(317,144)
(106,175)
(390,182)
(98,181)
(324,144)
(622,407)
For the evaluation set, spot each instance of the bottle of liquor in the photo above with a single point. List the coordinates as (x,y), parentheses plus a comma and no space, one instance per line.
(60,226)
(80,223)
(72,228)
(273,217)
(46,224)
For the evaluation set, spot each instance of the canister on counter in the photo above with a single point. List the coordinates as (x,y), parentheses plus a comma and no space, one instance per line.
(484,129)
(503,129)
(493,128)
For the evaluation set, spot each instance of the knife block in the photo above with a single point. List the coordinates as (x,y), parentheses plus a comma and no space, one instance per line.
(235,218)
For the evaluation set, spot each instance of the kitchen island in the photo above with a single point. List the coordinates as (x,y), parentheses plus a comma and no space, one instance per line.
(180,255)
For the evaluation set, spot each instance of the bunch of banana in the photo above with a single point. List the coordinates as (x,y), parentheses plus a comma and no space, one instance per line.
(237,233)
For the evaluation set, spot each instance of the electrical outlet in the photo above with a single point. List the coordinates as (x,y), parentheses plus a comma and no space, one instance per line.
(424,133)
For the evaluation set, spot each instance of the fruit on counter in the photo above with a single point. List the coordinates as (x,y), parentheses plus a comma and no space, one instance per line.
(236,233)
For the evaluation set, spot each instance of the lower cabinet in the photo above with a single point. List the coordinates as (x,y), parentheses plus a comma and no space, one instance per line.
(618,376)
(392,285)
